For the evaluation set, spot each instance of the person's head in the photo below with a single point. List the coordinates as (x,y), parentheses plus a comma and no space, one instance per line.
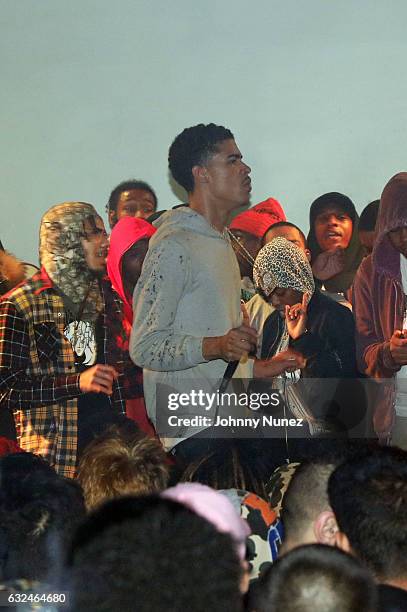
(289,231)
(282,274)
(95,244)
(368,494)
(306,514)
(215,508)
(38,512)
(395,190)
(153,554)
(12,272)
(73,251)
(73,241)
(131,198)
(14,468)
(246,231)
(391,224)
(206,158)
(367,226)
(272,207)
(241,478)
(132,262)
(315,578)
(228,467)
(119,463)
(219,510)
(128,247)
(398,239)
(332,218)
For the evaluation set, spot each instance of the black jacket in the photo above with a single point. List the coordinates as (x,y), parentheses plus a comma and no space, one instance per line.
(328,344)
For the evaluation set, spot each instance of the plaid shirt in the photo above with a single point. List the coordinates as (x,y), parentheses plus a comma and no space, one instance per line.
(116,345)
(38,377)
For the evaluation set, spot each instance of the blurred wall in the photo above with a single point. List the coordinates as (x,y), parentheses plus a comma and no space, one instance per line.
(94,91)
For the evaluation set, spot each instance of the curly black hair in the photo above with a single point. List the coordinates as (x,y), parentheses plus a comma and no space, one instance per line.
(288,224)
(149,553)
(368,494)
(39,511)
(192,147)
(127,186)
(368,217)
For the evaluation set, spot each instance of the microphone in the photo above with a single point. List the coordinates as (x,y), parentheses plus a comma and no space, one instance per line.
(228,375)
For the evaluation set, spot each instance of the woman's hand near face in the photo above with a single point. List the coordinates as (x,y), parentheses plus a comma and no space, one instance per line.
(296,317)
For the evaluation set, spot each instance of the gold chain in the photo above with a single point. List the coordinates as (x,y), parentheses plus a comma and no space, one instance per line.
(243,251)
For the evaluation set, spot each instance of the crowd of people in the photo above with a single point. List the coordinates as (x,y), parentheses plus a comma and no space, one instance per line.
(127,481)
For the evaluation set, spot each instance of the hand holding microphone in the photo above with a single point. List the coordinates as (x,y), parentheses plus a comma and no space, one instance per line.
(236,343)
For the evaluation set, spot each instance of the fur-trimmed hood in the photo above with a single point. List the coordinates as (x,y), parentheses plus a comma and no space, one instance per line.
(12,272)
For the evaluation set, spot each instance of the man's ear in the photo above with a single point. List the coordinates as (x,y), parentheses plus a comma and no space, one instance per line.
(326,528)
(308,254)
(200,174)
(342,542)
(112,217)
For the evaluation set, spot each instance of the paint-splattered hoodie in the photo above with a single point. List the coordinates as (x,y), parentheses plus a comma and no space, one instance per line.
(189,288)
(379,300)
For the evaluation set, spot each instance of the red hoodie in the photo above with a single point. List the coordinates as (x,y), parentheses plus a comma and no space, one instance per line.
(119,317)
(378,302)
(125,234)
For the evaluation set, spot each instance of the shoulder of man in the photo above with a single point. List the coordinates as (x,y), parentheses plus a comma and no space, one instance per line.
(334,312)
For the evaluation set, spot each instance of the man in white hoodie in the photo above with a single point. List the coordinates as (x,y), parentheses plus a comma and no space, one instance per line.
(187,314)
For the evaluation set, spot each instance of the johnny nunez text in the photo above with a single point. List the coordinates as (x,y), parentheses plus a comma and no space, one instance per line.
(229,421)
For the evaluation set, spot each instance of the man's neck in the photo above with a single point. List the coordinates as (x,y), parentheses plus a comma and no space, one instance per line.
(208,208)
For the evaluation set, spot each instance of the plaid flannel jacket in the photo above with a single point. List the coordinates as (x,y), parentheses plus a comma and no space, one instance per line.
(38,378)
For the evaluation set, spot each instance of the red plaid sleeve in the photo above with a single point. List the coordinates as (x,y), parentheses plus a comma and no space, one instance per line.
(20,389)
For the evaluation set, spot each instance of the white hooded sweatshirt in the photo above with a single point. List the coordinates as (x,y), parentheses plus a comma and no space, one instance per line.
(189,289)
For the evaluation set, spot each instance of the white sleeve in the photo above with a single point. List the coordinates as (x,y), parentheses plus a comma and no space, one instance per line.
(153,342)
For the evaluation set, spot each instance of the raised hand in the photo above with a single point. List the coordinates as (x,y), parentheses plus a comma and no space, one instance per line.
(296,317)
(398,347)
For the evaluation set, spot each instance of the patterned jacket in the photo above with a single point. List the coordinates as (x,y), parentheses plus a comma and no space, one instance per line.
(38,377)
